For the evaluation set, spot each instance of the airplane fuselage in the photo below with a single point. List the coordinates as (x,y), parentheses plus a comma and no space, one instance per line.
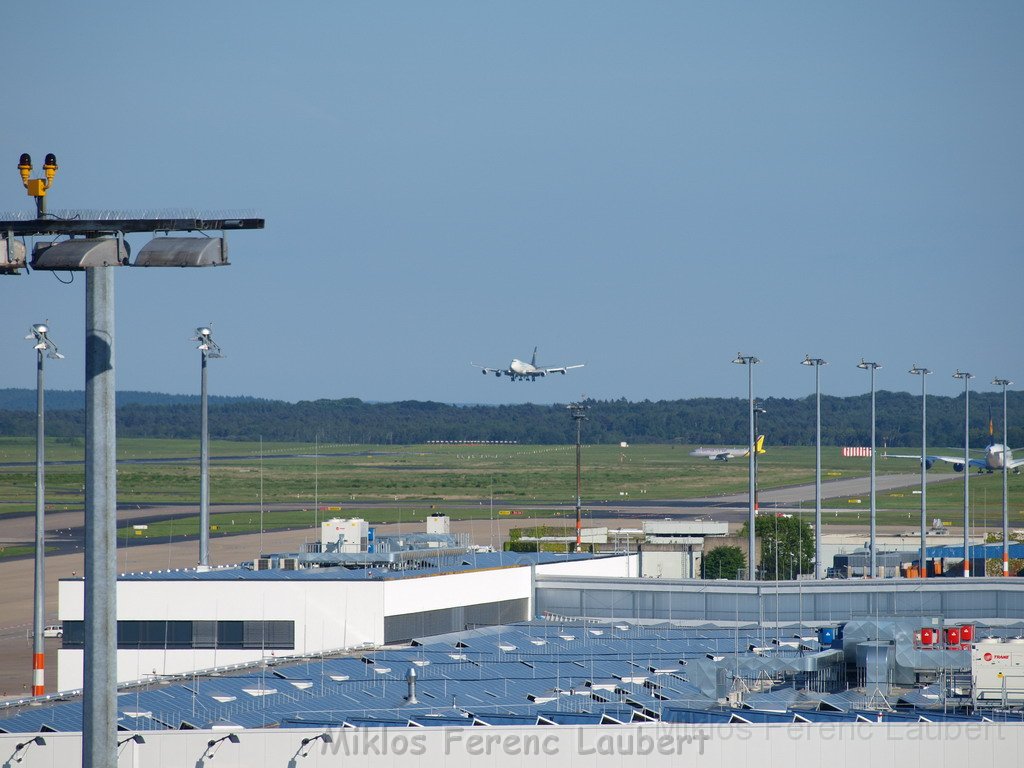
(996,454)
(523,369)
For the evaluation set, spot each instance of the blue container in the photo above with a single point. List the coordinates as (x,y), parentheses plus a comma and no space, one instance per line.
(826,636)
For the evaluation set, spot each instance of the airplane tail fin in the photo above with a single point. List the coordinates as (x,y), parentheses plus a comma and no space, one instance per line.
(533,360)
(759,445)
(992,429)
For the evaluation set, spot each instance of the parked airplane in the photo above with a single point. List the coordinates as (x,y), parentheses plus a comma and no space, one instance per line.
(518,370)
(995,455)
(724,454)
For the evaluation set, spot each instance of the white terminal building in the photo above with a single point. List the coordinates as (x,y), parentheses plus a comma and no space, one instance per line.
(352,591)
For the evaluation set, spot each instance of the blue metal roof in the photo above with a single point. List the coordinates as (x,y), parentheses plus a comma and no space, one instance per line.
(543,671)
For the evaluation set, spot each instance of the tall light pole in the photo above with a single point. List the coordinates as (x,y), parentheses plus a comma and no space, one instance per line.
(578,413)
(817,362)
(966,377)
(864,365)
(1004,383)
(923,373)
(94,245)
(208,349)
(44,347)
(759,410)
(750,361)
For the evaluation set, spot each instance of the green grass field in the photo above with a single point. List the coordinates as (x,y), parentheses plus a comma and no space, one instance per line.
(442,474)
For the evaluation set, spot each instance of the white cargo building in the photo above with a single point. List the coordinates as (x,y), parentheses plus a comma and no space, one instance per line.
(175,622)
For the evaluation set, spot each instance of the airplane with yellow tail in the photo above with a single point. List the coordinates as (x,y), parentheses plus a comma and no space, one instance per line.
(724,454)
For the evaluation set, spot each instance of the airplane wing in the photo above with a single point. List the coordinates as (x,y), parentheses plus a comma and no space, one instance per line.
(1014,463)
(496,371)
(956,461)
(563,368)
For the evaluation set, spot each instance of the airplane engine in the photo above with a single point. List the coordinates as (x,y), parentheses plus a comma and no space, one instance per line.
(928,464)
(497,374)
(484,372)
(958,467)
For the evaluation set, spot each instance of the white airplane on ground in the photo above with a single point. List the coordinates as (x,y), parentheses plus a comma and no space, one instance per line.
(518,370)
(724,454)
(995,455)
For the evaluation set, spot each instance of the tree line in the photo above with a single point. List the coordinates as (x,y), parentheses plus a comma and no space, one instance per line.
(706,421)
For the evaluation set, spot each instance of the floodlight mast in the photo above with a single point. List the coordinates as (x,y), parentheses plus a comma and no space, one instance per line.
(966,377)
(208,348)
(750,361)
(578,412)
(1004,383)
(923,373)
(44,348)
(866,366)
(817,362)
(94,246)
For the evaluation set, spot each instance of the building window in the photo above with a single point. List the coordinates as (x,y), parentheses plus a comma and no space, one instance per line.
(139,635)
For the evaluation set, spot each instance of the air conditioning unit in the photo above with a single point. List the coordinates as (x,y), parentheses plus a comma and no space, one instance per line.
(289,564)
(262,564)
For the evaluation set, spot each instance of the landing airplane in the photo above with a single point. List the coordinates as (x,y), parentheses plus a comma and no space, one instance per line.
(995,455)
(518,370)
(724,454)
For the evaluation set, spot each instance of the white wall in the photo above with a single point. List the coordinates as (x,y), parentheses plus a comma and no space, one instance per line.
(616,566)
(329,614)
(656,745)
(467,588)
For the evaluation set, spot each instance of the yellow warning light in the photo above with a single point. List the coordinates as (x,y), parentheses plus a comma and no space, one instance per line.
(25,167)
(37,187)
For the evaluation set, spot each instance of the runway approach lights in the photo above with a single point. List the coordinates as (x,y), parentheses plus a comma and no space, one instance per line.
(44,347)
(92,243)
(37,188)
(209,348)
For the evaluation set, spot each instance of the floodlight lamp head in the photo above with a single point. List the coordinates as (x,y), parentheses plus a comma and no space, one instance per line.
(962,375)
(1001,382)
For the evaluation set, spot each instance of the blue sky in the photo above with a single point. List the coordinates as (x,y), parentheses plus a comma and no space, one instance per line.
(645,187)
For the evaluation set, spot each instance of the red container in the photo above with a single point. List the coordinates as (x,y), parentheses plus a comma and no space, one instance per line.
(966,633)
(927,636)
(952,635)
